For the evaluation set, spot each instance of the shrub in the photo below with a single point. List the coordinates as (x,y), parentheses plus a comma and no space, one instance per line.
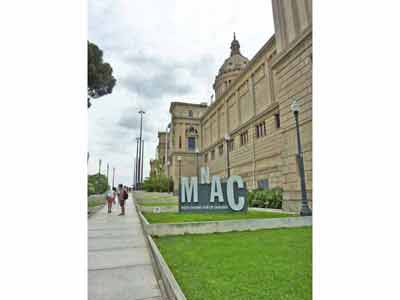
(257,203)
(156,183)
(271,198)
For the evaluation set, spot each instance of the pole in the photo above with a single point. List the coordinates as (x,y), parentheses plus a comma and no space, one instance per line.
(168,176)
(304,210)
(227,158)
(141,167)
(141,112)
(137,161)
(98,176)
(166,154)
(134,173)
(107,174)
(113,177)
(197,164)
(180,172)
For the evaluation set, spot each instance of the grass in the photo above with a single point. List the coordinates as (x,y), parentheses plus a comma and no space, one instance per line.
(172,217)
(258,265)
(159,204)
(96,200)
(143,196)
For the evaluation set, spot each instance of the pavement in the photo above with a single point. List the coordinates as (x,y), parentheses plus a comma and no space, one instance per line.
(119,261)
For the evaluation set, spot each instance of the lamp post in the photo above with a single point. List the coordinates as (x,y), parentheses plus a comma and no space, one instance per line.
(98,176)
(304,210)
(137,163)
(227,139)
(179,158)
(107,175)
(168,175)
(167,132)
(141,112)
(197,162)
(113,177)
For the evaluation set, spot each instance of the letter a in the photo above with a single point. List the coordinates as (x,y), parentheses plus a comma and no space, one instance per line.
(216,190)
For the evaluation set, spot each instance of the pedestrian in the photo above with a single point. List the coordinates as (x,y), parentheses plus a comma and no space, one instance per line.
(122,196)
(110,196)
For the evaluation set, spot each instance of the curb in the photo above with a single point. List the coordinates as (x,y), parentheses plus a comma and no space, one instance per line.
(207,227)
(169,287)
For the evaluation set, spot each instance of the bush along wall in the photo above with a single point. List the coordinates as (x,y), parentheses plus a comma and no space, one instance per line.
(156,183)
(270,198)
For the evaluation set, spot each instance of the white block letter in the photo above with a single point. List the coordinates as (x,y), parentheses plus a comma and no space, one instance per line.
(204,175)
(231,197)
(216,190)
(189,190)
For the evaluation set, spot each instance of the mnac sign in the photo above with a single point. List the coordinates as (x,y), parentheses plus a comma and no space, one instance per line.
(215,196)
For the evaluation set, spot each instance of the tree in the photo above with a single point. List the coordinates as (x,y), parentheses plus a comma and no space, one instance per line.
(100,79)
(157,182)
(97,184)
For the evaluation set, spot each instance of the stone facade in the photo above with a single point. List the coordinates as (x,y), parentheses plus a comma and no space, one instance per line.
(252,108)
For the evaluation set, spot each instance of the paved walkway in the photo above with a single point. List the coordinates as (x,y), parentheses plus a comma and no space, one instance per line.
(119,261)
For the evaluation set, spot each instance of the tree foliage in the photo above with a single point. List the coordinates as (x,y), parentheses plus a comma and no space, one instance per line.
(97,184)
(100,78)
(157,182)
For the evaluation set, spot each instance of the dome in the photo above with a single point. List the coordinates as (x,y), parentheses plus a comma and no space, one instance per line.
(230,69)
(236,61)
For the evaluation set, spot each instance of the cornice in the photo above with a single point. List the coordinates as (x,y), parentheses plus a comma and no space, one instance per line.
(279,56)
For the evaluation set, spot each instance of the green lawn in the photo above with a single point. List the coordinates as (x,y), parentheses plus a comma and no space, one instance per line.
(96,200)
(159,204)
(143,196)
(266,264)
(171,217)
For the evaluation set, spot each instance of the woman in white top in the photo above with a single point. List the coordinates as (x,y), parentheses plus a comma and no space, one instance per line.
(110,199)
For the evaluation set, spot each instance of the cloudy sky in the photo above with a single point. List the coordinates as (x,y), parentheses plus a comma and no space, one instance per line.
(161,51)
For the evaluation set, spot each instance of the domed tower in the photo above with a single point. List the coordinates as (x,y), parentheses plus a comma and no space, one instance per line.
(230,69)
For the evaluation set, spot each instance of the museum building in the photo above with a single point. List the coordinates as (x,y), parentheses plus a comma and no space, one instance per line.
(249,129)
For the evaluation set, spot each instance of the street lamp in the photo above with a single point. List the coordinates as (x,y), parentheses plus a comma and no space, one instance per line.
(227,139)
(197,162)
(179,158)
(304,210)
(168,175)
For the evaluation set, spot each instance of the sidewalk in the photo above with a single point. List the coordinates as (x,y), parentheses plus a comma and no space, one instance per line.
(118,258)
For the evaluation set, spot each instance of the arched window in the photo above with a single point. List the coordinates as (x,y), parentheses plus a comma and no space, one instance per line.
(190,114)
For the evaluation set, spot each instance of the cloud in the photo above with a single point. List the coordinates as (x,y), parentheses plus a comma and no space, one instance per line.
(161,51)
(153,77)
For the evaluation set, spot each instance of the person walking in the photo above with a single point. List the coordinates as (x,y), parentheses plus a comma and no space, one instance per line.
(122,196)
(111,198)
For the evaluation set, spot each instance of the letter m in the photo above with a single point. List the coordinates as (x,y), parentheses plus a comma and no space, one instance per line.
(189,190)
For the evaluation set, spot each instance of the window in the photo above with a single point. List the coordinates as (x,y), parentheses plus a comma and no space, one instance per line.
(180,142)
(277,120)
(212,154)
(261,130)
(206,157)
(221,149)
(244,138)
(263,184)
(191,143)
(190,114)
